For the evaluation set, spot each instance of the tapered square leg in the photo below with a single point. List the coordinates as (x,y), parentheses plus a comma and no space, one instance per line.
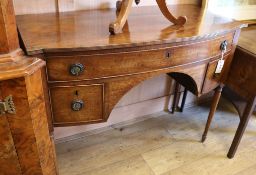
(241,128)
(214,105)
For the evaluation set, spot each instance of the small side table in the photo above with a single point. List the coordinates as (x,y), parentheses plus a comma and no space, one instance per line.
(241,84)
(240,87)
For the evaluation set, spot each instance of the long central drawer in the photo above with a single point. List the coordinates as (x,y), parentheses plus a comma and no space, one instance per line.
(88,67)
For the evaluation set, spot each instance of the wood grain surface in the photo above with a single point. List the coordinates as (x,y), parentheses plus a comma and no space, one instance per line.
(8,31)
(121,62)
(70,31)
(247,39)
(29,125)
(9,163)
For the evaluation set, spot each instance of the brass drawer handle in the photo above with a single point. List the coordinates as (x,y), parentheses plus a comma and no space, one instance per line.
(77,105)
(224,45)
(76,69)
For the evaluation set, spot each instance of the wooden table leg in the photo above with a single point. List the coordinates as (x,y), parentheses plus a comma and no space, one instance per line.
(176,97)
(183,99)
(214,105)
(241,128)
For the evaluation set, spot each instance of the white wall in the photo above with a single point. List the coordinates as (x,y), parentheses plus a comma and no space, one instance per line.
(43,6)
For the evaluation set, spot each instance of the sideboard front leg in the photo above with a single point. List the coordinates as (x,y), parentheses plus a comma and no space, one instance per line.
(123,12)
(164,9)
(214,105)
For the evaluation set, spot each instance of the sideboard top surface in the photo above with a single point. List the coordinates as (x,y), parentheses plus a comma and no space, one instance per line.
(88,30)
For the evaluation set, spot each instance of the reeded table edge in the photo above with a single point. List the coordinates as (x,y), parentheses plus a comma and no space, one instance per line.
(31,51)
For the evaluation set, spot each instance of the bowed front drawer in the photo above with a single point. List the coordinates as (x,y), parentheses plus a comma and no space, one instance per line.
(97,66)
(77,104)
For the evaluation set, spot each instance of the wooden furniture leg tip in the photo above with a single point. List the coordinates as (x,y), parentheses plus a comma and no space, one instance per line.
(203,138)
(181,20)
(137,2)
(113,28)
(230,156)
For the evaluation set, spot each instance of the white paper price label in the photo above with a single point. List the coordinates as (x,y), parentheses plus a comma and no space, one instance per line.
(219,66)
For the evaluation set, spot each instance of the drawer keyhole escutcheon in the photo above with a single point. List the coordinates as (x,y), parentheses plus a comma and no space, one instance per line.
(76,69)
(77,105)
(168,54)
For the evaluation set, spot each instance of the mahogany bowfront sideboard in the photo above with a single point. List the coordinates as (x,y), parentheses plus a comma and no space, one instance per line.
(88,70)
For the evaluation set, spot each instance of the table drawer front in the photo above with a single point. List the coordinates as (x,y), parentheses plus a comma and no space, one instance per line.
(118,64)
(77,104)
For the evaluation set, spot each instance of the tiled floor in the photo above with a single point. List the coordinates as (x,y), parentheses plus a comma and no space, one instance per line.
(165,144)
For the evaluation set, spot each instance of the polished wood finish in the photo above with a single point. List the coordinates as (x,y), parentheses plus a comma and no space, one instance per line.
(68,32)
(70,38)
(243,82)
(29,125)
(26,143)
(91,95)
(241,85)
(8,32)
(120,62)
(9,163)
(127,63)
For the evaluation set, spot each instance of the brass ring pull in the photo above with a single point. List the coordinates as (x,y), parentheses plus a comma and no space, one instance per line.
(77,105)
(224,45)
(76,69)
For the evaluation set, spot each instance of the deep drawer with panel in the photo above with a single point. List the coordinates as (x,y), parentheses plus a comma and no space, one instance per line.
(88,67)
(71,104)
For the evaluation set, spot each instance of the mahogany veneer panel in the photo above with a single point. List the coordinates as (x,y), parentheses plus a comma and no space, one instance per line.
(62,97)
(124,63)
(9,163)
(29,126)
(8,31)
(242,78)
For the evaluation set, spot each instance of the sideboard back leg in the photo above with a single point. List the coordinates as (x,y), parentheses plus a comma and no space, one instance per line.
(176,97)
(184,97)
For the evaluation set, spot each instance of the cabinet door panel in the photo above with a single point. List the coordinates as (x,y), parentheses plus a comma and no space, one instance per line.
(9,163)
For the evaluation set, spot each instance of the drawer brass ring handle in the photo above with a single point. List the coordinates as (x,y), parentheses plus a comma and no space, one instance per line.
(224,45)
(76,69)
(77,105)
